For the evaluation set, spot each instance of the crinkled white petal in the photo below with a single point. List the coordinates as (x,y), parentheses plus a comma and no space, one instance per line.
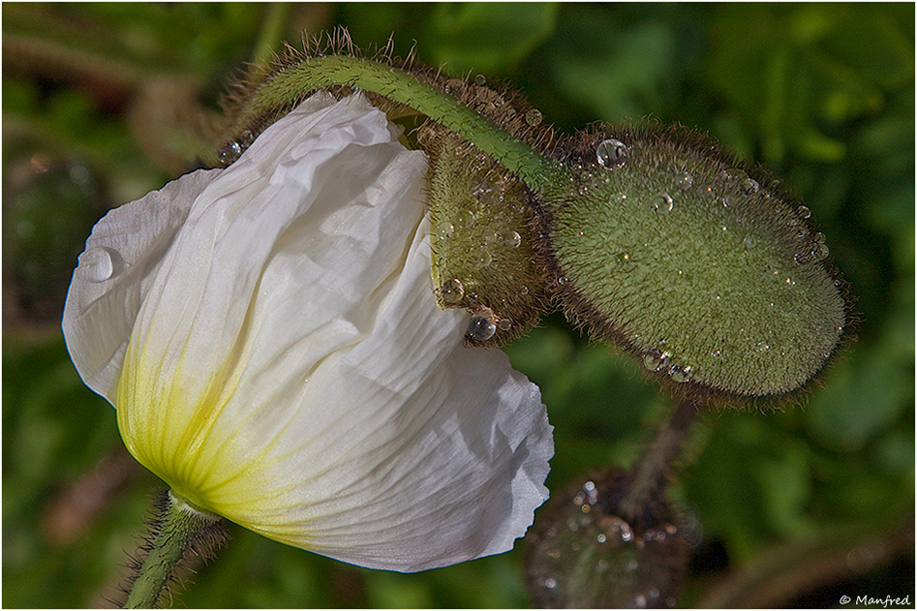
(114,273)
(288,367)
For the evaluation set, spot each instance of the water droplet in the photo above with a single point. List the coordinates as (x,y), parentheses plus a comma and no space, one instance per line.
(523,290)
(490,190)
(762,347)
(446,231)
(512,238)
(480,329)
(533,117)
(685,181)
(589,486)
(229,152)
(550,583)
(452,291)
(727,202)
(485,258)
(101,263)
(654,359)
(505,324)
(601,538)
(722,176)
(639,601)
(750,186)
(611,153)
(821,252)
(662,203)
(480,79)
(804,212)
(466,218)
(680,375)
(749,242)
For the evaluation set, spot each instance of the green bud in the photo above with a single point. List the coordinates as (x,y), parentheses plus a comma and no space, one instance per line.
(483,255)
(707,271)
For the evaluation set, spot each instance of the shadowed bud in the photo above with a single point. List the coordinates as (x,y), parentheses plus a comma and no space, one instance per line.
(585,554)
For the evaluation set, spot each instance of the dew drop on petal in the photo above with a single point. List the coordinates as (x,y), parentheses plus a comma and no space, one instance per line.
(101,263)
(611,153)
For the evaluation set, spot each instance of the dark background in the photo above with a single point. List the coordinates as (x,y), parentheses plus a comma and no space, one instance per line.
(796,507)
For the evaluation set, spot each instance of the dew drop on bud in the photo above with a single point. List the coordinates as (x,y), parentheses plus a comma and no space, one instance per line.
(452,291)
(685,181)
(445,231)
(654,359)
(662,203)
(512,238)
(480,329)
(750,186)
(229,152)
(611,153)
(680,375)
(466,218)
(533,117)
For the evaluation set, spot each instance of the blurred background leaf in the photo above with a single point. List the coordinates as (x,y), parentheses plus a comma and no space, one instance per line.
(104,102)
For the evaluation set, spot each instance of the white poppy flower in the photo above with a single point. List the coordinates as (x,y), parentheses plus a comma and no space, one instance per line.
(270,339)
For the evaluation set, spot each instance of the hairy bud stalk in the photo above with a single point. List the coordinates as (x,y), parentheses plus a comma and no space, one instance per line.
(177,531)
(701,267)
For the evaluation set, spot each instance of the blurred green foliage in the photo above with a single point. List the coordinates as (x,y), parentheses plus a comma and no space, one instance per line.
(823,94)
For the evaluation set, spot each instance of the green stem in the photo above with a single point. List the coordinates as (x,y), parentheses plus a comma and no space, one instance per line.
(183,528)
(651,474)
(311,74)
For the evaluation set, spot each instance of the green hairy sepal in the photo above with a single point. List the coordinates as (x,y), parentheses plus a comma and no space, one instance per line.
(652,238)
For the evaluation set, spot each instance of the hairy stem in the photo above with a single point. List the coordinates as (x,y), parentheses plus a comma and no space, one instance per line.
(178,528)
(537,171)
(651,474)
